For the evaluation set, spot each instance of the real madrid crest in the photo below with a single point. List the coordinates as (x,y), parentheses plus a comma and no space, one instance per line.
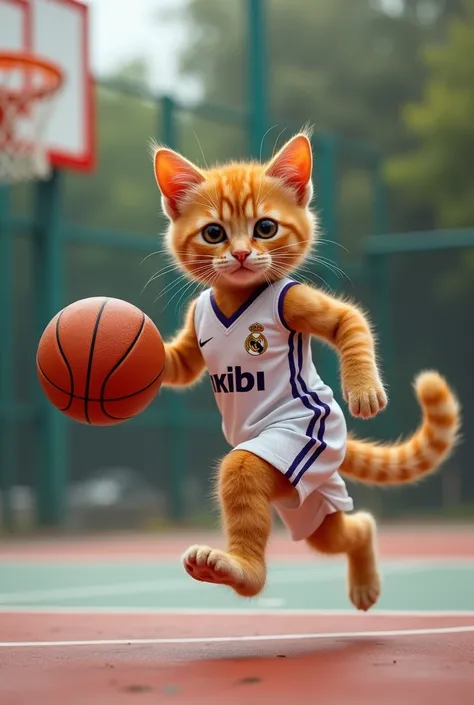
(256,343)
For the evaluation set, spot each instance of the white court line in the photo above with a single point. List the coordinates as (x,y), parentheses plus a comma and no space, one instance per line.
(281,577)
(242,639)
(233,612)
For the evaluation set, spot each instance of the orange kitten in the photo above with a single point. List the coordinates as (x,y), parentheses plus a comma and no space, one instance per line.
(241,229)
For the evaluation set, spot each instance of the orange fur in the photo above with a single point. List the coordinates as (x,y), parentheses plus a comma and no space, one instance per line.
(216,235)
(184,362)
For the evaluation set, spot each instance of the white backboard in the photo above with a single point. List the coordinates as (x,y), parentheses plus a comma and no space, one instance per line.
(58,30)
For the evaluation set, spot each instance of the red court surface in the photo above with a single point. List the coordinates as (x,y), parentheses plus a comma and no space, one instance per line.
(394,542)
(233,659)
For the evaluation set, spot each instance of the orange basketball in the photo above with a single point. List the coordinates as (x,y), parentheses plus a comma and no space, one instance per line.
(100,361)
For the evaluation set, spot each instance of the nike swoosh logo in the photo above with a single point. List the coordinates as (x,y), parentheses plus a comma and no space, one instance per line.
(202,343)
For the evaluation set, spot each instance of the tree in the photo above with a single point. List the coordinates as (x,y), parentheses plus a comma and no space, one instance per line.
(348,67)
(439,171)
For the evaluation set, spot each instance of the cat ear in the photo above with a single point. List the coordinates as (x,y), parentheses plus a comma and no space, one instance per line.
(293,165)
(175,177)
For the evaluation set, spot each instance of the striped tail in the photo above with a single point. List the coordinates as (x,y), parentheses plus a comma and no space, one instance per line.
(421,454)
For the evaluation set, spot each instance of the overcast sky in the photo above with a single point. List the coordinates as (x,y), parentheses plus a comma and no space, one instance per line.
(127,29)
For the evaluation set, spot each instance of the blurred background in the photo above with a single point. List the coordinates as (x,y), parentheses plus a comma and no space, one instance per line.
(389,88)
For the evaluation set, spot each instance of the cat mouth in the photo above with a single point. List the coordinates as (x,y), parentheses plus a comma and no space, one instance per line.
(246,266)
(243,274)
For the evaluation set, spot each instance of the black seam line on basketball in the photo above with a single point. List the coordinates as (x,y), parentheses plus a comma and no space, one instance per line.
(119,362)
(126,396)
(66,362)
(117,418)
(60,408)
(91,357)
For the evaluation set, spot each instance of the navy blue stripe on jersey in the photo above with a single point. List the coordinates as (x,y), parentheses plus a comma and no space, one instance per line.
(317,405)
(281,302)
(291,363)
(227,321)
(317,410)
(322,424)
(294,389)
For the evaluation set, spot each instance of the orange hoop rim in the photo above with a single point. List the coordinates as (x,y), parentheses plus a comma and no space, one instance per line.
(51,74)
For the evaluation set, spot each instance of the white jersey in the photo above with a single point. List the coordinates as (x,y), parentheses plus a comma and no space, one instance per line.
(273,402)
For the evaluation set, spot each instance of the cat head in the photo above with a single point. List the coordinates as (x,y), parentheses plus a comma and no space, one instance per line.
(239,224)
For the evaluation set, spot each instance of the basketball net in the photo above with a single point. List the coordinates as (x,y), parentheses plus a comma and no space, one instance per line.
(28,86)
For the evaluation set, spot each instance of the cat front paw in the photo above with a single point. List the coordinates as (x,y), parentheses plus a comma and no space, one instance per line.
(210,565)
(366,401)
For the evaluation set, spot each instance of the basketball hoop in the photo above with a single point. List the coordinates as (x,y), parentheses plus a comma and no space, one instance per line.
(28,84)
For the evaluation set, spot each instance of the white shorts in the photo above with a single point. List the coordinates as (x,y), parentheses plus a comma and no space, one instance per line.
(311,466)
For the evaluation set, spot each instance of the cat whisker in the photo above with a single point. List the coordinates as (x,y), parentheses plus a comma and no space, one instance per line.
(324,241)
(276,141)
(206,204)
(259,200)
(295,275)
(216,199)
(160,273)
(336,271)
(151,254)
(201,271)
(201,149)
(263,139)
(170,286)
(165,251)
(168,269)
(288,245)
(317,259)
(302,267)
(183,287)
(283,272)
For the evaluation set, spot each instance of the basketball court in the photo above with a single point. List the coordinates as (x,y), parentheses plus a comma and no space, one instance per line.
(116,620)
(113,620)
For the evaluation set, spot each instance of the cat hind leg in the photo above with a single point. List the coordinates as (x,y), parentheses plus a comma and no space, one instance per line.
(355,535)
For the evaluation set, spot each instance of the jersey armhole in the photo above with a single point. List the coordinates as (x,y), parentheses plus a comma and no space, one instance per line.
(281,304)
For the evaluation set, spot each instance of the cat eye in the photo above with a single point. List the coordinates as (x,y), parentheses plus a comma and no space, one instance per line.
(265,229)
(213,234)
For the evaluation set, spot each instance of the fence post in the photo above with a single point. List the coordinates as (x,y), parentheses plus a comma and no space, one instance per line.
(176,403)
(168,124)
(380,216)
(379,283)
(52,474)
(257,73)
(326,155)
(7,392)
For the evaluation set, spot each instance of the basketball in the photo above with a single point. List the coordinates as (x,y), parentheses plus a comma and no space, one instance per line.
(100,361)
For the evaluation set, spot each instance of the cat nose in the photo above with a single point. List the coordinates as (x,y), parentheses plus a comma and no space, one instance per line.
(241,255)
